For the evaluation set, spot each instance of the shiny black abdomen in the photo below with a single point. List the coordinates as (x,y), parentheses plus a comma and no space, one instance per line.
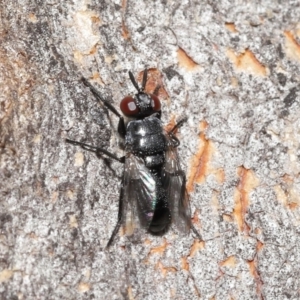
(145,138)
(162,215)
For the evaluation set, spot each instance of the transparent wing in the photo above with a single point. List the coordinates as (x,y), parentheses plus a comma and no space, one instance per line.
(140,194)
(174,181)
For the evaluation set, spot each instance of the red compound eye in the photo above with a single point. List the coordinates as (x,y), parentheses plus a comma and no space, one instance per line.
(128,107)
(155,103)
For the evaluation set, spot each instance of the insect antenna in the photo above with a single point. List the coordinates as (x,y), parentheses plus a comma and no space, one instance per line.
(144,80)
(134,82)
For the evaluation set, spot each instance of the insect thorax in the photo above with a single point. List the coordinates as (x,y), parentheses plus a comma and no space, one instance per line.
(145,138)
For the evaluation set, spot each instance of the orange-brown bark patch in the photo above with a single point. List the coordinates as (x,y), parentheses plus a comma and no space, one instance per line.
(254,273)
(125,31)
(247,62)
(160,249)
(197,245)
(220,175)
(83,287)
(227,218)
(95,19)
(292,47)
(171,124)
(6,275)
(281,195)
(248,179)
(293,205)
(93,50)
(78,56)
(185,264)
(124,5)
(259,246)
(129,293)
(147,242)
(185,61)
(203,125)
(257,231)
(195,218)
(154,83)
(32,18)
(164,270)
(229,262)
(288,179)
(199,162)
(247,182)
(96,77)
(253,269)
(231,27)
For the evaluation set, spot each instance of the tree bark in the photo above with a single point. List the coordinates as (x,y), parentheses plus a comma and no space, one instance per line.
(231,68)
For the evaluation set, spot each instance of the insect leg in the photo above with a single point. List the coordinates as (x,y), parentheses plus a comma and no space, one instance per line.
(181,173)
(108,105)
(120,217)
(178,125)
(196,232)
(171,133)
(98,96)
(122,127)
(96,150)
(184,210)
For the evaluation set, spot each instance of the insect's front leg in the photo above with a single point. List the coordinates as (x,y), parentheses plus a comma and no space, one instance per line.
(178,125)
(171,133)
(108,105)
(122,127)
(97,150)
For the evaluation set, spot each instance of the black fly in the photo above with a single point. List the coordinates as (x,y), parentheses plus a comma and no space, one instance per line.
(153,192)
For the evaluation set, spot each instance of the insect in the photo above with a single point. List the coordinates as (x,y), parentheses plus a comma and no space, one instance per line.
(153,192)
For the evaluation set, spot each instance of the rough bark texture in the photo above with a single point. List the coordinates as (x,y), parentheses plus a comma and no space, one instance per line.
(231,66)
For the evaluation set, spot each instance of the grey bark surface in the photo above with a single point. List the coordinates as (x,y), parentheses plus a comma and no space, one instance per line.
(231,66)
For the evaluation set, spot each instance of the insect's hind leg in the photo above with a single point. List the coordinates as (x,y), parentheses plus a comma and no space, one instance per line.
(108,105)
(196,232)
(120,217)
(185,194)
(97,150)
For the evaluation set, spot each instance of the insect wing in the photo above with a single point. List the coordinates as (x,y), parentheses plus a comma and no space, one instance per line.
(174,180)
(140,194)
